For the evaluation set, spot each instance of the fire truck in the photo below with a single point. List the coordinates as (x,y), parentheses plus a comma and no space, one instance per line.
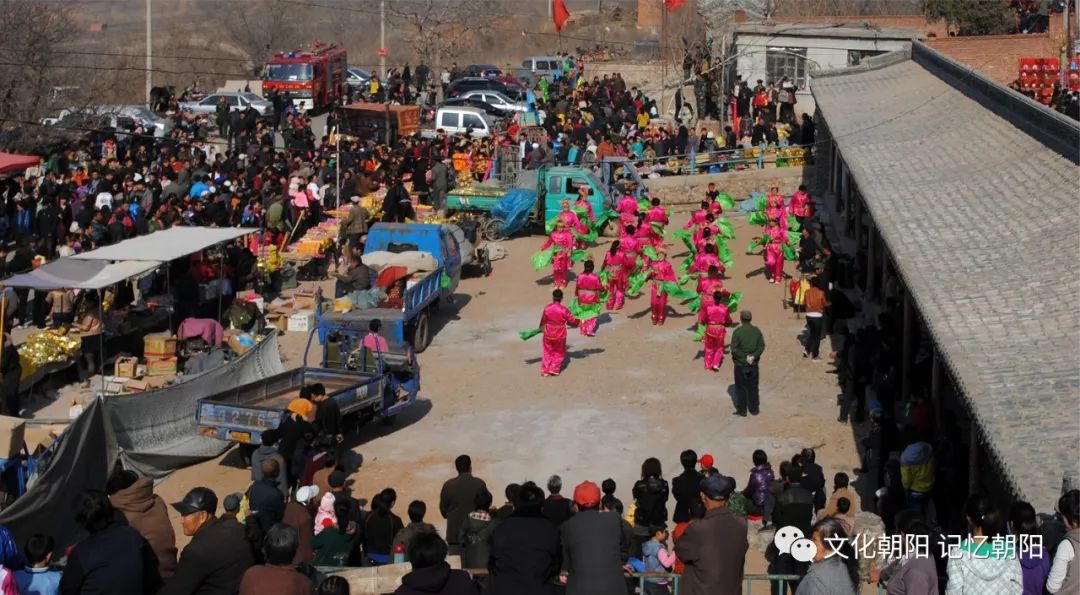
(315,76)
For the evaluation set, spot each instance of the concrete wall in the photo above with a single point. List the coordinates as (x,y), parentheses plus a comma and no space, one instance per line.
(682,193)
(821,53)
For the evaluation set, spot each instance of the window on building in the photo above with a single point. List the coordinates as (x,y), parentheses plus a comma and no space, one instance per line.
(855,57)
(783,62)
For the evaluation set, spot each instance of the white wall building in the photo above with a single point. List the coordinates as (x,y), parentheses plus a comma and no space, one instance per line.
(770,52)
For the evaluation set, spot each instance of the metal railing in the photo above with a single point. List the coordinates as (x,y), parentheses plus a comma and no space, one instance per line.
(782,581)
(739,159)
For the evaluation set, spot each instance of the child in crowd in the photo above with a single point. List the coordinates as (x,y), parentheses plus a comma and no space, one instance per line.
(38,578)
(657,559)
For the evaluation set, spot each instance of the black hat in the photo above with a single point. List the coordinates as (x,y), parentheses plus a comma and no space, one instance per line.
(336,479)
(196,500)
(717,487)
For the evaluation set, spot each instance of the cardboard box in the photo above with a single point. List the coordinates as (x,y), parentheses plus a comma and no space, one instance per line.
(159,345)
(126,367)
(161,366)
(113,385)
(302,321)
(12,433)
(303,302)
(149,383)
(239,341)
(279,320)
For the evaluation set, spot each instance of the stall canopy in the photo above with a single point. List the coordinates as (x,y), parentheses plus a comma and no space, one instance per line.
(166,245)
(80,274)
(11,163)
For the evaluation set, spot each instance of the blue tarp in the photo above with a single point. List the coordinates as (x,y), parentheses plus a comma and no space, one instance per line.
(513,209)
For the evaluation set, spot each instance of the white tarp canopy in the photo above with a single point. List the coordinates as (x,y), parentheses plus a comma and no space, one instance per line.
(79,274)
(166,245)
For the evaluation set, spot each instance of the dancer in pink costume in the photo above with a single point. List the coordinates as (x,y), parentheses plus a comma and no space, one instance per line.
(709,284)
(774,251)
(570,219)
(616,274)
(660,271)
(715,317)
(562,237)
(801,206)
(630,247)
(698,216)
(582,202)
(705,259)
(627,210)
(554,321)
(587,290)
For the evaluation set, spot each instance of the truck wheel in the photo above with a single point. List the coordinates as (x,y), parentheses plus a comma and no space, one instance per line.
(421,333)
(490,229)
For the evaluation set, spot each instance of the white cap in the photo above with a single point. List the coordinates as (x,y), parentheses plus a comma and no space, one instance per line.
(306,494)
(137,177)
(536,145)
(354,198)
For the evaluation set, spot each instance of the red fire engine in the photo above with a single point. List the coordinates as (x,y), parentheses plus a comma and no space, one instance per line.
(315,76)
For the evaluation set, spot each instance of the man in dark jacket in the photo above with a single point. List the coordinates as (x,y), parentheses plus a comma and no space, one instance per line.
(714,548)
(430,572)
(440,179)
(218,555)
(795,508)
(556,509)
(525,548)
(266,500)
(685,486)
(594,546)
(113,559)
(458,498)
(813,478)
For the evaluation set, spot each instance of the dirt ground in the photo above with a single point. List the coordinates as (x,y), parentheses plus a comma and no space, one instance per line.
(631,392)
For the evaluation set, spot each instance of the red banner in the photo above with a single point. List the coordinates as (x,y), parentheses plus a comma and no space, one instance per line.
(559,13)
(673,4)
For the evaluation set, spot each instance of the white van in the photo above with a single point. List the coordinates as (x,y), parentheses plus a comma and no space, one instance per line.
(543,65)
(459,119)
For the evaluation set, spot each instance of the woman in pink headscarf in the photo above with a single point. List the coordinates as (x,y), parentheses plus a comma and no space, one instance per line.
(616,276)
(563,238)
(554,321)
(587,290)
(715,316)
(774,251)
(660,272)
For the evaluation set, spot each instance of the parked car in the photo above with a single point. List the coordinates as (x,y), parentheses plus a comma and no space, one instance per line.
(542,65)
(121,117)
(237,102)
(462,85)
(485,70)
(478,103)
(497,99)
(459,120)
(356,76)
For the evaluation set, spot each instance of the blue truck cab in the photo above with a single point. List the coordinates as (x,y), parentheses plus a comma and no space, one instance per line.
(424,291)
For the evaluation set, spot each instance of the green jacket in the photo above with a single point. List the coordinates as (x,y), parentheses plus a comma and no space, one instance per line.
(747,340)
(275,217)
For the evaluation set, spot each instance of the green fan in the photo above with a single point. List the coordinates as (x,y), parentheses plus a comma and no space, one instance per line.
(684,268)
(789,252)
(657,228)
(733,301)
(793,223)
(636,282)
(650,252)
(761,203)
(695,304)
(579,255)
(793,237)
(686,277)
(585,311)
(700,333)
(603,219)
(643,204)
(605,277)
(727,230)
(581,212)
(542,259)
(676,292)
(550,225)
(757,218)
(529,334)
(726,201)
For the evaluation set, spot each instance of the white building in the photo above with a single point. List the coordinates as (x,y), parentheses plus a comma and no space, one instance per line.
(769,52)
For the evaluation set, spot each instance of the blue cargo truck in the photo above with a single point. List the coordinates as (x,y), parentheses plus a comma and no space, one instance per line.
(424,291)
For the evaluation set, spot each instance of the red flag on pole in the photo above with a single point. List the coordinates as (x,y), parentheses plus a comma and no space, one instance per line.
(559,13)
(673,4)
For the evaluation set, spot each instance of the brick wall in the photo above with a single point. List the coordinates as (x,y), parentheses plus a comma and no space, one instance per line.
(997,56)
(649,13)
(682,193)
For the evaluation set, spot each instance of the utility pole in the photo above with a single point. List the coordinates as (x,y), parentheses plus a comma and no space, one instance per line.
(149,53)
(382,67)
(663,59)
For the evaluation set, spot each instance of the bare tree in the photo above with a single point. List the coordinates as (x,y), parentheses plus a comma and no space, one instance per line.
(440,29)
(257,29)
(31,32)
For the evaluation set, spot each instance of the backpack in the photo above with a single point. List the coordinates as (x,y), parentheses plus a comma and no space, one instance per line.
(451,178)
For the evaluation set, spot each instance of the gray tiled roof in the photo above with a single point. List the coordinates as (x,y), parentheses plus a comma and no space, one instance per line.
(983,222)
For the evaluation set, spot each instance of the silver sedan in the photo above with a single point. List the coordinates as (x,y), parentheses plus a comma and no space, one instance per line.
(236,101)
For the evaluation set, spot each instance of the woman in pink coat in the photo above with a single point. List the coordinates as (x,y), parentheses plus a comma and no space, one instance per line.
(705,259)
(774,251)
(587,290)
(564,239)
(616,274)
(660,271)
(554,321)
(716,318)
(627,210)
